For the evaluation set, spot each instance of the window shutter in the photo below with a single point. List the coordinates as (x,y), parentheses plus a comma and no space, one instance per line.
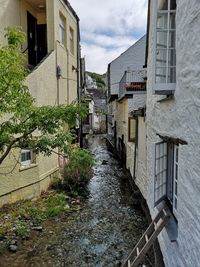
(160,179)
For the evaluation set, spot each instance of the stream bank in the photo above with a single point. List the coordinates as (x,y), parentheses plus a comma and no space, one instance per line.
(101,234)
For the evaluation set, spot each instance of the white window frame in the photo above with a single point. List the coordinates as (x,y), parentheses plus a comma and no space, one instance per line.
(162,86)
(160,179)
(164,161)
(27,162)
(71,40)
(62,29)
(175,180)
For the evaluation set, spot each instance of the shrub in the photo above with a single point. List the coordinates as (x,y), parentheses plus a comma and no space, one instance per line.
(77,171)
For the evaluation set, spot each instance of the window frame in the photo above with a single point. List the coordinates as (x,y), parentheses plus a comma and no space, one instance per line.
(62,29)
(27,162)
(167,86)
(171,181)
(175,180)
(157,200)
(71,40)
(130,139)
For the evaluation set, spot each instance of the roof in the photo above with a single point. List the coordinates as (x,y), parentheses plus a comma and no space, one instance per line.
(71,9)
(136,43)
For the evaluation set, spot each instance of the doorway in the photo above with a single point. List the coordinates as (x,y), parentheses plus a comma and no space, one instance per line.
(32,39)
(37,40)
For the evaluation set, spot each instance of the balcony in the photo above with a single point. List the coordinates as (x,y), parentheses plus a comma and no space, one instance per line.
(132,82)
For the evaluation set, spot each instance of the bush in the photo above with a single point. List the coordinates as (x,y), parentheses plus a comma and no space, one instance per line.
(77,171)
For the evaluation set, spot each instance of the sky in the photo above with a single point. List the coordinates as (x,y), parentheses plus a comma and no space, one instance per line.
(108,28)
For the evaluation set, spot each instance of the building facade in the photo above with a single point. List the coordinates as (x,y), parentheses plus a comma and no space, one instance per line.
(52,52)
(127,101)
(173,146)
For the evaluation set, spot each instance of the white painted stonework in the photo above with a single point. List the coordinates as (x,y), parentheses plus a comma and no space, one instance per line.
(132,59)
(179,118)
(138,101)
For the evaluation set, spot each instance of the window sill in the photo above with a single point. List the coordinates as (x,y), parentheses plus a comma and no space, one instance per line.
(131,141)
(164,92)
(24,168)
(62,45)
(167,98)
(172,228)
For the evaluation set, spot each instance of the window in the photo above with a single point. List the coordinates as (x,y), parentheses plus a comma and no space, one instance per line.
(166,174)
(71,40)
(165,45)
(62,30)
(26,157)
(131,129)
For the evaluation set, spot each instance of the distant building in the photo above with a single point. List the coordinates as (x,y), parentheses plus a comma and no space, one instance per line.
(99,97)
(90,83)
(126,107)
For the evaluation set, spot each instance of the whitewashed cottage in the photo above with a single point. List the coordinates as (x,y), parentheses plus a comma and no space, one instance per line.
(127,93)
(173,126)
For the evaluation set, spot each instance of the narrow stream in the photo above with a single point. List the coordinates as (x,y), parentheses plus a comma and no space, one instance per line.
(102,234)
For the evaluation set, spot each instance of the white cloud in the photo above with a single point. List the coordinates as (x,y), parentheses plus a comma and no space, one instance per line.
(108,24)
(106,41)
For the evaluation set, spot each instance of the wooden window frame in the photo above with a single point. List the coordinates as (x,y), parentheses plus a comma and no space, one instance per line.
(129,131)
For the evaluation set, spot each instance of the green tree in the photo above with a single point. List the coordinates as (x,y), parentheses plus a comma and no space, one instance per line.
(98,78)
(22,124)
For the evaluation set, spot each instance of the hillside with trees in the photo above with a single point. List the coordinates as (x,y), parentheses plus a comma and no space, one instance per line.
(99,78)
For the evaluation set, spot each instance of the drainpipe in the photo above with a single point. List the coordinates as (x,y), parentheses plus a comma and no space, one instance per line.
(135,151)
(67,76)
(78,61)
(79,94)
(58,75)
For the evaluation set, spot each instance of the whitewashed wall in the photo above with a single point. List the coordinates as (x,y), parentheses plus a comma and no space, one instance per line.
(180,118)
(138,101)
(133,58)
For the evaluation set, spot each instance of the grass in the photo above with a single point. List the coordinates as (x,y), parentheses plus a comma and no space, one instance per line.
(22,230)
(25,214)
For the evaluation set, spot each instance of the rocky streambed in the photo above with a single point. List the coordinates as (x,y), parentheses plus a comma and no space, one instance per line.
(100,234)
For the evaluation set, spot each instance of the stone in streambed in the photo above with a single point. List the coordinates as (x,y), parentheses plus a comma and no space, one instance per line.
(13,248)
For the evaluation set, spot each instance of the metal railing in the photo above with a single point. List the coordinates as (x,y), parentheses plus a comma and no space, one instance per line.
(132,81)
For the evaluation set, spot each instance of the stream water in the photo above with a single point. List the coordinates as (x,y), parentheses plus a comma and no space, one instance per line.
(101,234)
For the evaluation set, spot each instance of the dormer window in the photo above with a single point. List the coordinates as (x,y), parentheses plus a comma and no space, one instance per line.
(165,46)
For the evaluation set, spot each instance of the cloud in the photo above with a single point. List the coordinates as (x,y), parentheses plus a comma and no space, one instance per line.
(106,41)
(108,28)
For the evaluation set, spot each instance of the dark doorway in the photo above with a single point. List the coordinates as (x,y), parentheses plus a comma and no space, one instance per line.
(41,41)
(32,39)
